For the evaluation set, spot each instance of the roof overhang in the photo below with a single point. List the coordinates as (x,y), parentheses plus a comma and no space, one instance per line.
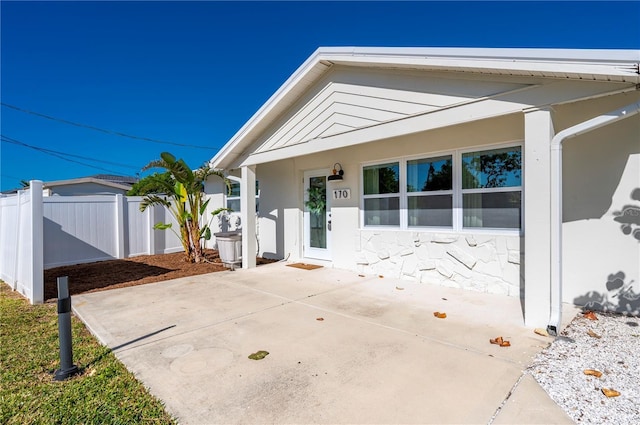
(620,66)
(82,180)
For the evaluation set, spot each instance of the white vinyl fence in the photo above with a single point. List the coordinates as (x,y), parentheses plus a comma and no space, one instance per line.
(38,233)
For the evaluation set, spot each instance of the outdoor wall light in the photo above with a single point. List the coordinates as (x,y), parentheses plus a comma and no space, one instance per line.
(337,172)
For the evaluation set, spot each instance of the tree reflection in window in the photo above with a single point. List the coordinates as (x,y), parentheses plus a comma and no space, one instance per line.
(491,169)
(427,175)
(383,178)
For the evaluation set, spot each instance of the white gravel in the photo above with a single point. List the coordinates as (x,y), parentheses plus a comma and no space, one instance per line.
(559,369)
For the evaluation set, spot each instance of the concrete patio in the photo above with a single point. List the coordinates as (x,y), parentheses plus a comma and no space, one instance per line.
(377,356)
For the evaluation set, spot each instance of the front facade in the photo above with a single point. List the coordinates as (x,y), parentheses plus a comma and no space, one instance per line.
(506,171)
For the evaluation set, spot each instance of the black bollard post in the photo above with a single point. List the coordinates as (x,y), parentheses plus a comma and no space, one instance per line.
(67,368)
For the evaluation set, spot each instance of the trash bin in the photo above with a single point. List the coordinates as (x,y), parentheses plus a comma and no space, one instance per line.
(229,248)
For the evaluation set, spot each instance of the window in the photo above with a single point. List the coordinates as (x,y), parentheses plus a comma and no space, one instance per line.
(233,197)
(479,189)
(492,188)
(430,192)
(381,195)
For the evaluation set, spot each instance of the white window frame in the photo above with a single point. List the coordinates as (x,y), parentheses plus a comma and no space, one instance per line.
(408,194)
(456,192)
(382,195)
(228,198)
(461,192)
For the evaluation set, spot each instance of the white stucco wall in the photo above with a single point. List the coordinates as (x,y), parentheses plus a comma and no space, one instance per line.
(601,261)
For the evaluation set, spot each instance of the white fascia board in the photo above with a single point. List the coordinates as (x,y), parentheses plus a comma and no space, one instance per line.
(610,56)
(535,69)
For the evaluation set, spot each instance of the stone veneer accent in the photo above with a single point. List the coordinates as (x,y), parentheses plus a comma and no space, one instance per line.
(480,262)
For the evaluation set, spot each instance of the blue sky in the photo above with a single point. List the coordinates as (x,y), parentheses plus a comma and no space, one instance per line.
(193,73)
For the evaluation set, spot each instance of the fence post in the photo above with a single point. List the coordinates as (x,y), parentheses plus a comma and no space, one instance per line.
(151,240)
(36,269)
(16,259)
(119,205)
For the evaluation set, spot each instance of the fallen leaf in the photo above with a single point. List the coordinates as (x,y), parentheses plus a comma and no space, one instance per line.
(541,331)
(320,319)
(505,344)
(360,275)
(498,340)
(440,315)
(593,334)
(399,288)
(380,276)
(259,355)
(590,315)
(593,372)
(610,393)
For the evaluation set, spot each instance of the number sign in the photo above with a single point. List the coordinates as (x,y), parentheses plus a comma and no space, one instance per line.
(341,193)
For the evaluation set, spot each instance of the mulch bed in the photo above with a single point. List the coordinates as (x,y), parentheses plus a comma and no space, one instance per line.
(103,275)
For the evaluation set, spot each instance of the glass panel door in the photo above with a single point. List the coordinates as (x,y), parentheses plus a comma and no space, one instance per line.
(317,216)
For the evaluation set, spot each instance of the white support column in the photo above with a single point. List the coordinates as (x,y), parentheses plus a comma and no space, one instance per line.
(36,269)
(119,205)
(248,216)
(538,133)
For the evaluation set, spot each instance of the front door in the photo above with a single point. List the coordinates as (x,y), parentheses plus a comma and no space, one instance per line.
(317,216)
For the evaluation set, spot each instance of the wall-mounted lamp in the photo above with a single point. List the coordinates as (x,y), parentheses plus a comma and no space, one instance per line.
(337,172)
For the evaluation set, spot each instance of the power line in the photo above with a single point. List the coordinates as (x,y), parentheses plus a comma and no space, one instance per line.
(45,150)
(116,133)
(56,154)
(6,176)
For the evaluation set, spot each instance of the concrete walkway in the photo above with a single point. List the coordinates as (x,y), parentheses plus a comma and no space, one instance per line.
(342,349)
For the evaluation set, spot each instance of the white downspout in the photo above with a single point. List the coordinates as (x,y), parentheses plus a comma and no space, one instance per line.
(555,317)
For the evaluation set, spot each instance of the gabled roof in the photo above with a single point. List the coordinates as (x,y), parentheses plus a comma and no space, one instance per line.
(596,65)
(92,179)
(127,180)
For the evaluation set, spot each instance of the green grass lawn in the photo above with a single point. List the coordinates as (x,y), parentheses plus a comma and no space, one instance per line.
(104,392)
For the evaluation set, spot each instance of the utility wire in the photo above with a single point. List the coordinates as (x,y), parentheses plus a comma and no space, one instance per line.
(45,150)
(116,133)
(6,176)
(53,153)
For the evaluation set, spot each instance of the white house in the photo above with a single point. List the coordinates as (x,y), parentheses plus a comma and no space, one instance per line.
(99,184)
(510,171)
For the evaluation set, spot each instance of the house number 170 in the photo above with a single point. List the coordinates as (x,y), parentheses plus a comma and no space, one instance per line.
(342,194)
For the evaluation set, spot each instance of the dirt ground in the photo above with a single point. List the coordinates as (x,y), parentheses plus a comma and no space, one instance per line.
(103,275)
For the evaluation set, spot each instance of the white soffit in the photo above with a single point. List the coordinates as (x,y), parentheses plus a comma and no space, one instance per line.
(620,66)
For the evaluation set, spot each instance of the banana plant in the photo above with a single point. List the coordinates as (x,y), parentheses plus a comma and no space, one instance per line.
(184,198)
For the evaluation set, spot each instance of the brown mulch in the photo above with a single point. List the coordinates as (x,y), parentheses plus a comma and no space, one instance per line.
(103,275)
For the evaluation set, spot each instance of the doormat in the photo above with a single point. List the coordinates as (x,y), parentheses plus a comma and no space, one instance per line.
(304,266)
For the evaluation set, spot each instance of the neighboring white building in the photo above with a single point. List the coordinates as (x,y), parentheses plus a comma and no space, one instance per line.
(509,171)
(100,184)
